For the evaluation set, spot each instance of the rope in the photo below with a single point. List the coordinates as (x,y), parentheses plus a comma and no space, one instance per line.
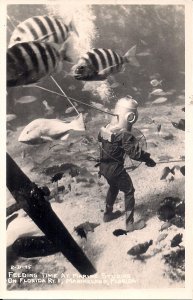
(65,95)
(78,101)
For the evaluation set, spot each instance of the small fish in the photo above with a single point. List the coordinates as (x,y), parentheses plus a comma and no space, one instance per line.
(177,239)
(29,62)
(140,248)
(158,127)
(180,125)
(155,82)
(166,225)
(25,99)
(160,100)
(152,144)
(168,137)
(115,85)
(81,232)
(10,117)
(98,105)
(72,87)
(148,120)
(43,29)
(57,177)
(69,110)
(49,109)
(85,227)
(161,237)
(182,170)
(145,53)
(165,173)
(156,92)
(41,130)
(98,64)
(118,232)
(183,109)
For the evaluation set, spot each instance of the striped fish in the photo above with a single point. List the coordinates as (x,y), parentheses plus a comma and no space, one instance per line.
(42,28)
(97,64)
(29,62)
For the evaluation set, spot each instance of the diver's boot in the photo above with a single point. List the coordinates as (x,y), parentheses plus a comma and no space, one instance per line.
(109,215)
(131,225)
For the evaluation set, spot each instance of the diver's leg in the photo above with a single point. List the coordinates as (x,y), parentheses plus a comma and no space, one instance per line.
(126,186)
(110,200)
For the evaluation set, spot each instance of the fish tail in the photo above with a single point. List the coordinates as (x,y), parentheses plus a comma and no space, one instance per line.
(78,123)
(129,57)
(68,51)
(72,27)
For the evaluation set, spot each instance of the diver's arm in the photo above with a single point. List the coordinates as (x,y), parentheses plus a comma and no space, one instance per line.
(132,148)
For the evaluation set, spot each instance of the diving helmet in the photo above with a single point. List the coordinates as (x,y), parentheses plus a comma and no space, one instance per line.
(126,111)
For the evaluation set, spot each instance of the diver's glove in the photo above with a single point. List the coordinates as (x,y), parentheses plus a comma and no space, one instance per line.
(148,161)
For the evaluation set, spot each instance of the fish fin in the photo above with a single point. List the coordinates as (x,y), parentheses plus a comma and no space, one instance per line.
(130,57)
(41,39)
(78,123)
(68,50)
(113,83)
(65,137)
(106,71)
(72,27)
(46,138)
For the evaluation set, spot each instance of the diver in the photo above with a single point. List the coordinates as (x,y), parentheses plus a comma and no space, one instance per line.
(116,141)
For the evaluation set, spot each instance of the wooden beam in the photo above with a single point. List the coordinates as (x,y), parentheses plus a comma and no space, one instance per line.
(31,199)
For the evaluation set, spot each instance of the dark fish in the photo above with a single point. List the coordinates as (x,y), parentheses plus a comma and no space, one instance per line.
(65,168)
(118,232)
(183,109)
(168,137)
(29,62)
(177,239)
(140,248)
(84,228)
(165,173)
(98,64)
(182,170)
(81,232)
(88,226)
(57,177)
(33,246)
(42,28)
(180,125)
(166,225)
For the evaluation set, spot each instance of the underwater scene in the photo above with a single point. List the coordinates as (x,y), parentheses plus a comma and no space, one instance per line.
(80,79)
